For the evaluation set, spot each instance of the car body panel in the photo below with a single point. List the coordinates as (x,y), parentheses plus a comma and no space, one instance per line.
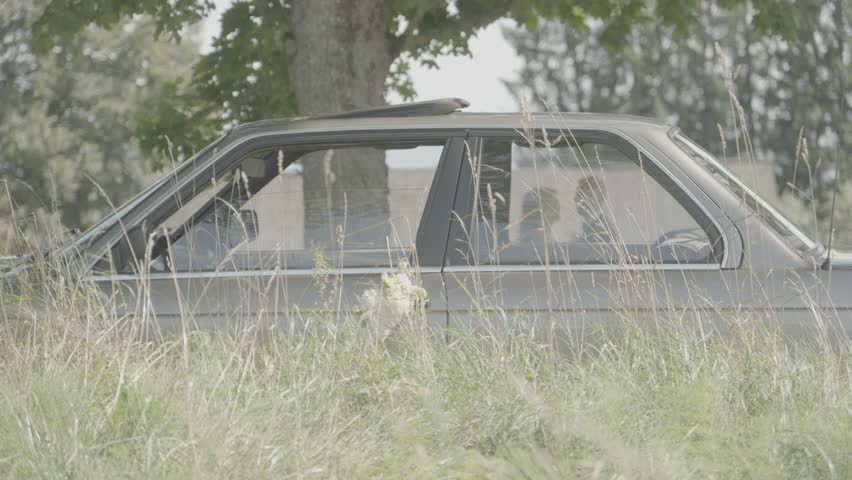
(290,299)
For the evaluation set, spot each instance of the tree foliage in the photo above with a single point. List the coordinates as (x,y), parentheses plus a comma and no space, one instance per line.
(785,85)
(246,76)
(67,115)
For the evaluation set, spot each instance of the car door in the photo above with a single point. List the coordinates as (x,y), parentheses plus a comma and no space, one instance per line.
(275,231)
(579,230)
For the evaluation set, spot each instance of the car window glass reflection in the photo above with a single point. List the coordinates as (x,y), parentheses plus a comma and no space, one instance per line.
(577,203)
(354,206)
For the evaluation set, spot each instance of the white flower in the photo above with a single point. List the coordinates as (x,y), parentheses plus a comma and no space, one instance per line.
(395,300)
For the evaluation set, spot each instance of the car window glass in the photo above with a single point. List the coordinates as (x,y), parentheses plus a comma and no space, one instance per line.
(575,202)
(354,206)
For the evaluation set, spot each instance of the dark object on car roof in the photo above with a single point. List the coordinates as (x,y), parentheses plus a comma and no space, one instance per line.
(442,106)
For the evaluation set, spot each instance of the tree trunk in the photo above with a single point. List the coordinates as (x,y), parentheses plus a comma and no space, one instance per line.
(343,55)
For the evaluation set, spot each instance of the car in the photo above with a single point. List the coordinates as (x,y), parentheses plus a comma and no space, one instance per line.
(574,216)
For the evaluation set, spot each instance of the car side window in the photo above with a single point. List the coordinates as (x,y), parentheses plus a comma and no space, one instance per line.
(348,206)
(563,200)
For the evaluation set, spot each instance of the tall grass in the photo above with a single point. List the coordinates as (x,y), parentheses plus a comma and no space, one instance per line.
(85,396)
(88,394)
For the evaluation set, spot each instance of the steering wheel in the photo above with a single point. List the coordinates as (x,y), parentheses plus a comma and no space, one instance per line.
(682,245)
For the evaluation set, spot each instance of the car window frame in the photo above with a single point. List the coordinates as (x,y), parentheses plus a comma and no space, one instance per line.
(459,244)
(229,157)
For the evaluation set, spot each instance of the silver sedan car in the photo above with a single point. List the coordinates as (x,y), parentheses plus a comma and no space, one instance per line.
(578,217)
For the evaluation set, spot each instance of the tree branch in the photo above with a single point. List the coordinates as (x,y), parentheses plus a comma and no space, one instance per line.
(435,24)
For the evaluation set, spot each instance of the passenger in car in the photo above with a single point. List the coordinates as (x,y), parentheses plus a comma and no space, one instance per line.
(540,211)
(591,200)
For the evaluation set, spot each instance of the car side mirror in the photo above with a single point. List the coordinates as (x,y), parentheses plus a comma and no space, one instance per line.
(249,219)
(129,249)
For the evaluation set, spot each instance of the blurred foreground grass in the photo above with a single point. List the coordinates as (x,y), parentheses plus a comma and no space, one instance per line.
(83,399)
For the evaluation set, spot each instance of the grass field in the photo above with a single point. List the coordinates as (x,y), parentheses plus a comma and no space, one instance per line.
(84,399)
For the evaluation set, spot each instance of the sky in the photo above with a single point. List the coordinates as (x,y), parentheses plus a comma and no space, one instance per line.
(477,79)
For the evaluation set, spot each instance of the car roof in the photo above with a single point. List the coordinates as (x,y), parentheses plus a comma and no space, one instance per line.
(440,114)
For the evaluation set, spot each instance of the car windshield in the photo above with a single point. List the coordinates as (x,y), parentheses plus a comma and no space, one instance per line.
(86,238)
(785,228)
